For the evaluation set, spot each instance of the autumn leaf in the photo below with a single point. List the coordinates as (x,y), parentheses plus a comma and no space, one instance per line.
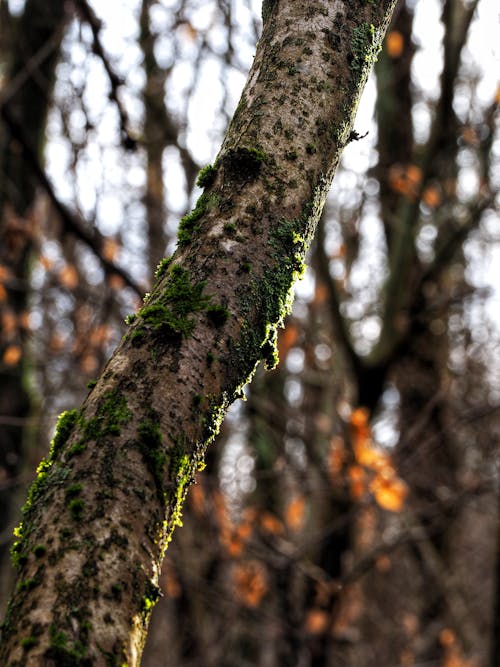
(336,457)
(249,582)
(357,482)
(56,343)
(394,44)
(316,621)
(431,196)
(170,584)
(46,262)
(4,273)
(447,637)
(320,292)
(110,249)
(68,276)
(9,323)
(197,499)
(12,355)
(389,492)
(372,457)
(383,563)
(89,363)
(271,524)
(24,320)
(287,339)
(295,513)
(116,282)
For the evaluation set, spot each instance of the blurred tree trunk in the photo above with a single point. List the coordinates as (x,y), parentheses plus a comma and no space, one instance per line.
(101,513)
(29,50)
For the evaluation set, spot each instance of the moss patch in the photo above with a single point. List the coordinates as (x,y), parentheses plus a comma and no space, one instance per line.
(206,176)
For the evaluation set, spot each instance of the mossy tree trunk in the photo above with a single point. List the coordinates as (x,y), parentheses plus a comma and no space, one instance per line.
(99,517)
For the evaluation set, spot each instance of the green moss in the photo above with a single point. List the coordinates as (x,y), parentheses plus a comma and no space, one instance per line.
(116,591)
(65,424)
(244,164)
(151,596)
(28,642)
(310,149)
(210,358)
(169,315)
(76,449)
(39,550)
(366,44)
(161,270)
(73,491)
(291,155)
(150,443)
(189,224)
(75,507)
(130,319)
(206,176)
(63,653)
(229,227)
(136,336)
(218,314)
(111,415)
(267,8)
(91,384)
(28,584)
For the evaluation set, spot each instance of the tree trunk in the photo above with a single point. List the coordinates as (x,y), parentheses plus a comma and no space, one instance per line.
(100,515)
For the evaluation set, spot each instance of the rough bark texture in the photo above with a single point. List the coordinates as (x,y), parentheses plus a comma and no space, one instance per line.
(99,517)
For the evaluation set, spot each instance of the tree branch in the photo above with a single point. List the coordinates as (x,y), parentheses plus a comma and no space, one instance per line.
(70,222)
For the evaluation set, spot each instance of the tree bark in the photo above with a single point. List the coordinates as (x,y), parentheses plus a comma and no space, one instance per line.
(101,513)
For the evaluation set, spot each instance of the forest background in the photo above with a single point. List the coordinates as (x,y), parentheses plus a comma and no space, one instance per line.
(349,512)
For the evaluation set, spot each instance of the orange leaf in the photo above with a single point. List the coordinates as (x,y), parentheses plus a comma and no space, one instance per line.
(390,493)
(89,363)
(320,292)
(110,249)
(9,322)
(469,136)
(394,43)
(24,320)
(4,273)
(68,276)
(197,499)
(287,339)
(3,293)
(431,196)
(316,621)
(12,355)
(447,637)
(336,456)
(383,563)
(497,95)
(249,582)
(46,262)
(234,545)
(295,513)
(271,524)
(414,174)
(56,342)
(370,456)
(357,482)
(116,282)
(171,585)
